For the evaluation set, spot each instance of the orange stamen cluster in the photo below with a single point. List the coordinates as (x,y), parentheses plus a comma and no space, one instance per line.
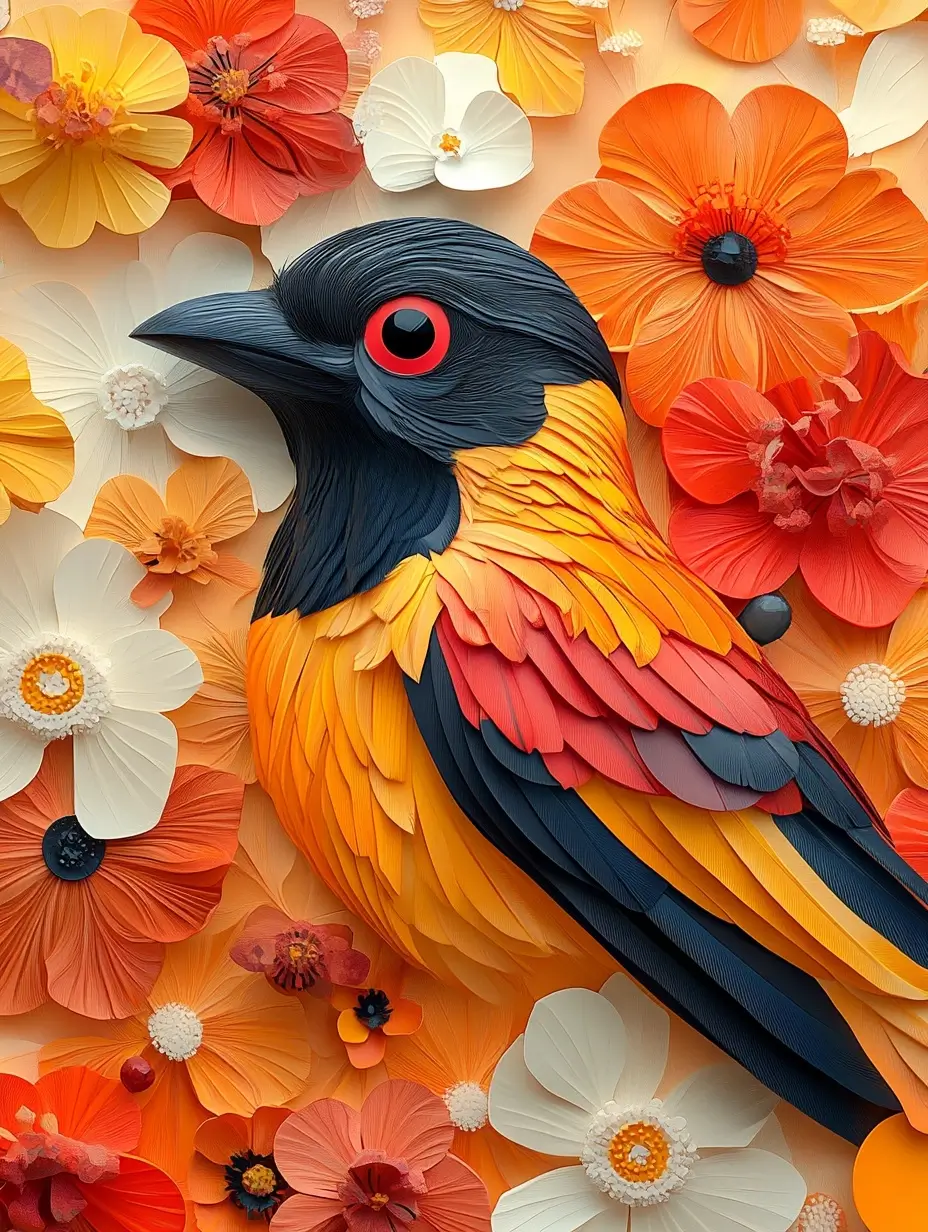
(717,209)
(639,1152)
(232,85)
(52,683)
(176,548)
(71,111)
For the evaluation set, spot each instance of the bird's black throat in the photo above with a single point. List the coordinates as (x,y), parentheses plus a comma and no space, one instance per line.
(363,503)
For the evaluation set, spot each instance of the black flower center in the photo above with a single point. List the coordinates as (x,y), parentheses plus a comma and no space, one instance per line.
(729,259)
(255,1185)
(69,851)
(373,1008)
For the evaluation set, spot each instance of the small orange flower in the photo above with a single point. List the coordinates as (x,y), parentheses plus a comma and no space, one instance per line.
(207,501)
(234,1180)
(368,1017)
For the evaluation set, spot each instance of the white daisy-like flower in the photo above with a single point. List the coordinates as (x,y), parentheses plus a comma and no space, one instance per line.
(445,120)
(130,407)
(582,1083)
(78,658)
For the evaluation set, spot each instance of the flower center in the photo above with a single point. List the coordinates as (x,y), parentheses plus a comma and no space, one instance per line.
(259,1180)
(623,42)
(69,851)
(729,259)
(872,695)
(448,145)
(175,548)
(232,85)
(175,1031)
(133,395)
(821,1214)
(70,111)
(830,31)
(468,1106)
(729,233)
(54,688)
(220,86)
(255,1185)
(638,1156)
(382,1187)
(299,960)
(373,1008)
(510,6)
(378,1201)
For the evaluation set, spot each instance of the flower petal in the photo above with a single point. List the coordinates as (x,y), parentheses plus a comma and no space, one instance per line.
(369,1053)
(206,1184)
(523,1111)
(575,1047)
(315,1147)
(397,165)
(152,670)
(750,31)
(149,73)
(407,101)
(890,101)
(497,142)
(122,773)
(890,1181)
(93,585)
(535,67)
(221,1137)
(140,1199)
(456,1200)
(156,140)
(406,1018)
(408,1122)
(204,264)
(181,22)
(59,200)
(723,1105)
(31,547)
(213,496)
(559,1201)
(741,1191)
(96,968)
(92,1108)
(465,76)
(22,152)
(734,547)
(127,510)
(880,14)
(57,328)
(131,199)
(304,1214)
(647,1039)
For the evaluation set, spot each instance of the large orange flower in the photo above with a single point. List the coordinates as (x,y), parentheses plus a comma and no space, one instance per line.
(730,247)
(84,922)
(234,1180)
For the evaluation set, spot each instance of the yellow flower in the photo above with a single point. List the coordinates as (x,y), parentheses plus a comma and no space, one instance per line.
(69,159)
(36,450)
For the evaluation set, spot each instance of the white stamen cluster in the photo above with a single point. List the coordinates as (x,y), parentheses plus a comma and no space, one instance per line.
(175,1031)
(363,9)
(509,5)
(367,44)
(830,31)
(84,716)
(623,42)
(872,695)
(821,1214)
(468,1106)
(608,1123)
(133,395)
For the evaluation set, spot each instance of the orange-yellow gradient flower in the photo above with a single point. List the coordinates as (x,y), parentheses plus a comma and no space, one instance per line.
(528,39)
(234,1182)
(36,450)
(867,689)
(207,500)
(733,247)
(70,158)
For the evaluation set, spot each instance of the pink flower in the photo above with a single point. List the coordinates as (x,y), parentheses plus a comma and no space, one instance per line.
(297,955)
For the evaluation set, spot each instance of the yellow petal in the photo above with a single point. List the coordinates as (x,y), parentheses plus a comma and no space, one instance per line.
(879,14)
(59,28)
(350,1028)
(159,140)
(20,150)
(5,505)
(151,73)
(213,495)
(127,510)
(130,199)
(36,450)
(59,202)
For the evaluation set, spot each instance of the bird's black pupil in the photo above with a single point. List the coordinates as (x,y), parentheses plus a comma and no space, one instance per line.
(408,333)
(729,259)
(69,851)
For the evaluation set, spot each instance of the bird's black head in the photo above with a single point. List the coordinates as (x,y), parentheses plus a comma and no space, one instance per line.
(383,352)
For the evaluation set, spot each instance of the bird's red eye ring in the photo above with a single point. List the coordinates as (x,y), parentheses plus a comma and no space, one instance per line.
(408,336)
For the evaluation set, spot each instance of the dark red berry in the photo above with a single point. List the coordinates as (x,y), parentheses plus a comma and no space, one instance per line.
(136,1075)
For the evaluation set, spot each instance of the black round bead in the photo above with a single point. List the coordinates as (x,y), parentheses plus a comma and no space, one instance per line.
(729,259)
(766,618)
(408,333)
(69,851)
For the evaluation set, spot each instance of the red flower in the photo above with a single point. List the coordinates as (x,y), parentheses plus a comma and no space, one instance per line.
(836,488)
(296,955)
(64,1159)
(265,87)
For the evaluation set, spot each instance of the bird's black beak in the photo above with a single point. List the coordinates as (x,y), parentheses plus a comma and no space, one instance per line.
(246,338)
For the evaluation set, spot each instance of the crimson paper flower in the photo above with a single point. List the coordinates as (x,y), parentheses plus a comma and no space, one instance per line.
(836,488)
(297,955)
(265,87)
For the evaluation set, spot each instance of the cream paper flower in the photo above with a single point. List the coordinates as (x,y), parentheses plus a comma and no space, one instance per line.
(581,1083)
(130,407)
(449,121)
(78,658)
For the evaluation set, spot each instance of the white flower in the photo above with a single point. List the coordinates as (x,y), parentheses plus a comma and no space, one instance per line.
(78,658)
(581,1082)
(447,121)
(129,407)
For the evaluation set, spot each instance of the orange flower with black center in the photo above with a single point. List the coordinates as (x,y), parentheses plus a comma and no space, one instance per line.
(369,1017)
(234,1179)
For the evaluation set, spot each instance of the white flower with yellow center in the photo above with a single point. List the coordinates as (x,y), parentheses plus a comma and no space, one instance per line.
(132,408)
(79,659)
(449,121)
(582,1083)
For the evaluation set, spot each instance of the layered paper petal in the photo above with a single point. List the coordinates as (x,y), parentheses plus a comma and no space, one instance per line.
(734,547)
(724,1106)
(521,1109)
(575,1047)
(746,30)
(559,1201)
(890,100)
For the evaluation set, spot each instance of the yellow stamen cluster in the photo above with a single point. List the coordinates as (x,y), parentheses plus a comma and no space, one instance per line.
(232,85)
(379,1201)
(639,1152)
(259,1181)
(449,144)
(52,683)
(72,111)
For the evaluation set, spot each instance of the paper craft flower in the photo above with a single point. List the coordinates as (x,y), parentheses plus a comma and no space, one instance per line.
(526,38)
(83,921)
(369,1017)
(298,956)
(377,1170)
(265,88)
(907,822)
(218,1039)
(880,14)
(747,30)
(730,247)
(129,407)
(867,689)
(207,501)
(36,450)
(66,1159)
(234,1179)
(72,157)
(448,121)
(581,1083)
(836,488)
(213,728)
(78,658)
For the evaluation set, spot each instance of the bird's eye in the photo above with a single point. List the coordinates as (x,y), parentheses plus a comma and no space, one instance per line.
(408,336)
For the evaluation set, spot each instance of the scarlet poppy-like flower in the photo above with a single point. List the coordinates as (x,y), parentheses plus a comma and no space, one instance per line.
(84,921)
(377,1170)
(297,955)
(66,1159)
(207,500)
(732,247)
(265,88)
(234,1179)
(368,1017)
(836,488)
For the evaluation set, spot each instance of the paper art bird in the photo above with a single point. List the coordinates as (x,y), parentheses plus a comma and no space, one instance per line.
(480,681)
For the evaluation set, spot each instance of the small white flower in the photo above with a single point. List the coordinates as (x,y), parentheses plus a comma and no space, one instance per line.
(830,31)
(79,659)
(130,407)
(448,121)
(623,42)
(581,1083)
